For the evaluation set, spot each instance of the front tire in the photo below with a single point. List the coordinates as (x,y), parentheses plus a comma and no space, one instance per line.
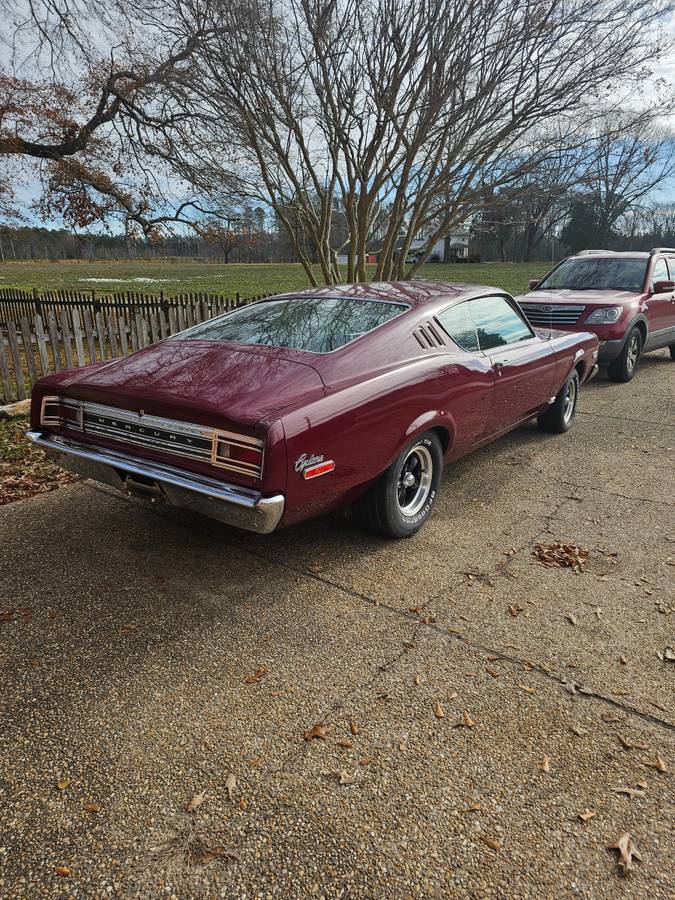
(401,501)
(625,366)
(559,417)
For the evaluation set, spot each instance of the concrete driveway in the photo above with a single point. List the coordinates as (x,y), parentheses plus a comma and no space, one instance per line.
(473,701)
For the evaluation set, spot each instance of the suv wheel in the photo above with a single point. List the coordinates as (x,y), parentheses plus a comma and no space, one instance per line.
(559,417)
(624,366)
(401,501)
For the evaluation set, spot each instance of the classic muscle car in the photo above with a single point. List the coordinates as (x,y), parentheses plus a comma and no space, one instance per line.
(303,403)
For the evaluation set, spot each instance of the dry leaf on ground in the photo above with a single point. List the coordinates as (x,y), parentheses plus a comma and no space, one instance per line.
(319,732)
(230,784)
(475,807)
(545,764)
(627,852)
(63,871)
(467,720)
(63,784)
(91,807)
(492,843)
(196,802)
(657,763)
(629,792)
(439,712)
(257,676)
(561,555)
(341,777)
(587,815)
(354,728)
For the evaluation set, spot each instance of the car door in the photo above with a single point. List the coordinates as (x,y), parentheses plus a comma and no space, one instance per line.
(660,306)
(470,396)
(523,364)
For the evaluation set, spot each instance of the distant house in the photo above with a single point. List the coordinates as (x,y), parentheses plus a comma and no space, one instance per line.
(453,246)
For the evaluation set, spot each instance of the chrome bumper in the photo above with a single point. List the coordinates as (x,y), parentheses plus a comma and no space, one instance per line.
(147,480)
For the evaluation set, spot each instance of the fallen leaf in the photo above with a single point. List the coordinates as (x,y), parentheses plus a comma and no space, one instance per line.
(243,803)
(561,555)
(230,784)
(629,792)
(610,717)
(492,843)
(623,660)
(63,871)
(439,712)
(354,728)
(196,802)
(417,679)
(514,609)
(91,807)
(545,764)
(627,852)
(493,673)
(341,777)
(669,654)
(346,744)
(255,761)
(317,731)
(571,619)
(402,747)
(580,732)
(587,815)
(641,783)
(257,676)
(628,744)
(528,690)
(467,720)
(657,764)
(475,807)
(63,784)
(128,629)
(365,761)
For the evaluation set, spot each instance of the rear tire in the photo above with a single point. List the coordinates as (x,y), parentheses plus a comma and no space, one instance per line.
(559,417)
(625,366)
(401,501)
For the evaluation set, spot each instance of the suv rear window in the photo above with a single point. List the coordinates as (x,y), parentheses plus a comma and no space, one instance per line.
(316,324)
(597,274)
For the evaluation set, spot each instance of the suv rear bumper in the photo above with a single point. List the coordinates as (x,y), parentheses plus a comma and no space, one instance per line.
(156,482)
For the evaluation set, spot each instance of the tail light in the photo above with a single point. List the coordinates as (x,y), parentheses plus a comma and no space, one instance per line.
(238,453)
(60,412)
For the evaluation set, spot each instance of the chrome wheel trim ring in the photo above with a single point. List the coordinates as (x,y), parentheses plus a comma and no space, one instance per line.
(570,401)
(418,463)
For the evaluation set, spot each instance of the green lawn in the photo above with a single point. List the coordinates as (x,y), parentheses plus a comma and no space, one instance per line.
(174,276)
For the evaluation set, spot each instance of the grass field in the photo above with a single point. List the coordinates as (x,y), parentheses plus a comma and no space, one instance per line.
(175,276)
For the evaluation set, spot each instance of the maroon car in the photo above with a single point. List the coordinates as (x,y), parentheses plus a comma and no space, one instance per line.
(312,401)
(627,299)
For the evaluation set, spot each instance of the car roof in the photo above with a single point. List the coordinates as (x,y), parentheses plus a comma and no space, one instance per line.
(414,293)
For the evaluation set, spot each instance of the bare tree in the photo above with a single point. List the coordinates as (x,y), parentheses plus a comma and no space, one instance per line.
(81,94)
(419,108)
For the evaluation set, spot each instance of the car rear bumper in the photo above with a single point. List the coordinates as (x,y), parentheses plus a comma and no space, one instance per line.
(156,482)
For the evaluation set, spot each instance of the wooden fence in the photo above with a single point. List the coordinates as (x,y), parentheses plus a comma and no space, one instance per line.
(73,331)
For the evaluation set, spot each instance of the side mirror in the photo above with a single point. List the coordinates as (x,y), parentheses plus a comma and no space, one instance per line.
(662,287)
(533,283)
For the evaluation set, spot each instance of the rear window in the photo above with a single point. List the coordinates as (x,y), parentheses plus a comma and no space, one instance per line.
(316,324)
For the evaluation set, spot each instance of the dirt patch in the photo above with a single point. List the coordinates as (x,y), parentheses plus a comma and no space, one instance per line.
(25,470)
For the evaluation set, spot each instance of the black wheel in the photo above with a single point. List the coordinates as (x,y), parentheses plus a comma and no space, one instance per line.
(559,417)
(625,366)
(672,351)
(400,502)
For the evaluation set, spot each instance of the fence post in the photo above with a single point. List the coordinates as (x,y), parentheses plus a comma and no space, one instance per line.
(7,386)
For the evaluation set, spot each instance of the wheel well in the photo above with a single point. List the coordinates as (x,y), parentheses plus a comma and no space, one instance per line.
(581,368)
(443,436)
(643,330)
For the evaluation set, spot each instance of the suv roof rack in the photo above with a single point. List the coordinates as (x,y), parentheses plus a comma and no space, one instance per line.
(661,250)
(591,252)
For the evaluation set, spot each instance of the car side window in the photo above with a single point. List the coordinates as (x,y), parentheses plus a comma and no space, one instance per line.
(497,323)
(457,321)
(660,271)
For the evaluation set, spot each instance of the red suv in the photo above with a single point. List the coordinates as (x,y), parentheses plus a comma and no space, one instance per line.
(626,299)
